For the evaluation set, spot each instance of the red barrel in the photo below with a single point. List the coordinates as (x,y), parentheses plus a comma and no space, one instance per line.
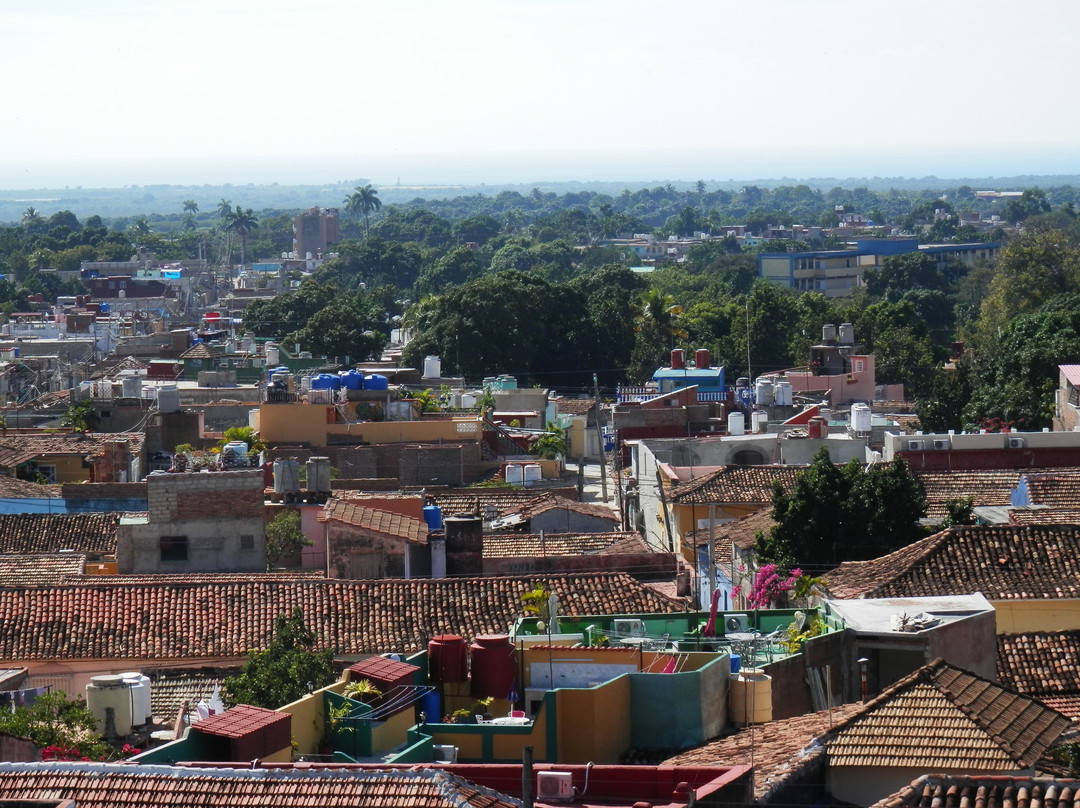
(494,666)
(448,658)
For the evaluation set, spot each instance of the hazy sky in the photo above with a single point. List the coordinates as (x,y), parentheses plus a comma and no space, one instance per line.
(205,91)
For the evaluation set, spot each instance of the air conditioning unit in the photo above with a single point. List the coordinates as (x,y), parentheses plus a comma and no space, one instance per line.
(444,753)
(1016,443)
(915,445)
(626,627)
(736,622)
(941,444)
(554,785)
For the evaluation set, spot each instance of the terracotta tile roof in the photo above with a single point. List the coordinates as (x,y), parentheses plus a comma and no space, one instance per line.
(224,617)
(548,502)
(14,488)
(776,748)
(735,484)
(1056,489)
(238,721)
(1003,562)
(997,790)
(478,502)
(515,545)
(17,449)
(104,785)
(39,569)
(986,487)
(944,718)
(374,520)
(382,669)
(1040,663)
(742,532)
(169,689)
(1045,516)
(575,406)
(201,350)
(90,533)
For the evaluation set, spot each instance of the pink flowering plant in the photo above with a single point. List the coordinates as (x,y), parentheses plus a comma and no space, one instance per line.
(773,584)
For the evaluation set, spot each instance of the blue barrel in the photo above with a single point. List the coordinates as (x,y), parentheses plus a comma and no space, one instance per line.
(376,382)
(352,379)
(279,369)
(431,707)
(325,381)
(433,517)
(736,663)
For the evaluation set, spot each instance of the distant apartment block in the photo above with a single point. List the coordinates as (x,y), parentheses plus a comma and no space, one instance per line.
(835,273)
(314,231)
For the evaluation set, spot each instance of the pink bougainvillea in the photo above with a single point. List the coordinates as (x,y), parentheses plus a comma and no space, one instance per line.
(770,585)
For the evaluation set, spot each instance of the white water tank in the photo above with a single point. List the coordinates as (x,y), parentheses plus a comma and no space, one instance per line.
(828,333)
(432,367)
(168,398)
(736,424)
(763,392)
(514,474)
(533,474)
(318,475)
(110,693)
(286,476)
(782,393)
(847,334)
(861,418)
(140,697)
(759,421)
(273,355)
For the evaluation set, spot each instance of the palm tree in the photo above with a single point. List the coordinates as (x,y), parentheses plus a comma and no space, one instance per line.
(242,222)
(224,209)
(225,212)
(658,312)
(363,201)
(31,215)
(191,206)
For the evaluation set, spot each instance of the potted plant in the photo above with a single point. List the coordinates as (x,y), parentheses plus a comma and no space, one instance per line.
(363,690)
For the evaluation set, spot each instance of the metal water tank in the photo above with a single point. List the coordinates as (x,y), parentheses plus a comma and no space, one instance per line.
(318,475)
(514,474)
(678,359)
(110,693)
(493,665)
(432,367)
(701,359)
(168,398)
(735,424)
(448,658)
(847,334)
(132,386)
(763,392)
(286,476)
(828,334)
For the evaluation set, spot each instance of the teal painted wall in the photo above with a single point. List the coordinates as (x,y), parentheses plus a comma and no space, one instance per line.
(678,709)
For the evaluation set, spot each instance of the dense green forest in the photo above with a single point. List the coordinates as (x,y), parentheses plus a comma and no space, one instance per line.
(523,283)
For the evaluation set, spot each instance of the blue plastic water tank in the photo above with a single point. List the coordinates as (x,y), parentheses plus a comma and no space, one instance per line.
(278,369)
(376,382)
(431,706)
(433,517)
(325,381)
(352,379)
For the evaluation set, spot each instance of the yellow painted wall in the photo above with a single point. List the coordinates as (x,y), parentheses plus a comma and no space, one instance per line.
(392,732)
(69,469)
(594,723)
(281,756)
(685,517)
(1020,616)
(312,423)
(307,719)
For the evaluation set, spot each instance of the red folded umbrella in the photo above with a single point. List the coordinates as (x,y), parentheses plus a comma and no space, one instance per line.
(710,627)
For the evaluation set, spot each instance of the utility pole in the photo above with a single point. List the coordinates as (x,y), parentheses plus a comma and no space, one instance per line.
(600,435)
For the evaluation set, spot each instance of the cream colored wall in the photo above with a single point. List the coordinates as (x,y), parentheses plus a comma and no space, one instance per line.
(307,719)
(1018,617)
(391,733)
(312,423)
(594,723)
